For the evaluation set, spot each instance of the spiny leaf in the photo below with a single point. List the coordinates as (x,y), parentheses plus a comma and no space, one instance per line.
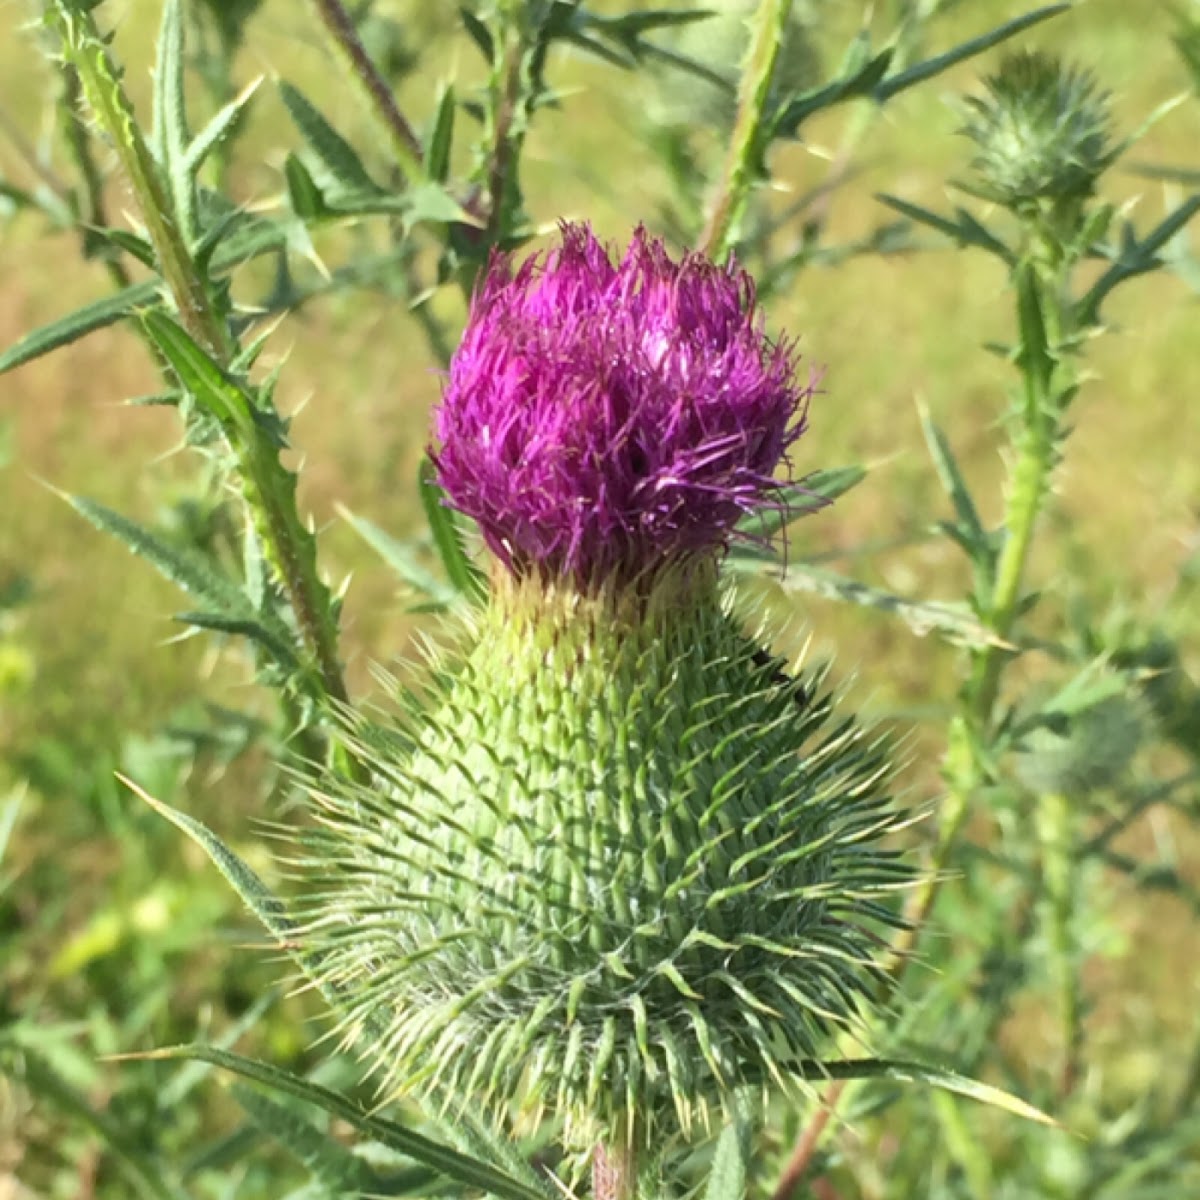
(306,199)
(810,494)
(400,556)
(255,631)
(855,82)
(341,169)
(204,380)
(449,1162)
(183,567)
(447,536)
(965,229)
(258,898)
(75,325)
(930,67)
(330,1163)
(433,203)
(241,242)
(938,1077)
(863,74)
(170,136)
(221,123)
(255,894)
(968,530)
(85,49)
(953,621)
(1135,258)
(950,476)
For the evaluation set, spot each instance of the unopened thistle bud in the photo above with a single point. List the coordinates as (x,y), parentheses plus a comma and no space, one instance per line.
(1043,132)
(617,864)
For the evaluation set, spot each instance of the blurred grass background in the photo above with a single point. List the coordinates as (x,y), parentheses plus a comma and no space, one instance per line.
(116,935)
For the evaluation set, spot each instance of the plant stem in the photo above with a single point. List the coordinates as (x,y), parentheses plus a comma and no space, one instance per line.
(92,214)
(373,87)
(85,50)
(506,147)
(1041,322)
(747,145)
(267,489)
(614,1172)
(1056,840)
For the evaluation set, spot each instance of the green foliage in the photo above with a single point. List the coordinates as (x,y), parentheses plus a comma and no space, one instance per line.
(1064,718)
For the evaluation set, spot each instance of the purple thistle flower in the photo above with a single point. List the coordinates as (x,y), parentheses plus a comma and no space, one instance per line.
(605,419)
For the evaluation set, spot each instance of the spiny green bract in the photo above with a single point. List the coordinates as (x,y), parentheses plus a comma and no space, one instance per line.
(618,864)
(1043,131)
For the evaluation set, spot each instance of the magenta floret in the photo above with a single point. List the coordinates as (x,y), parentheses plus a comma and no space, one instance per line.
(602,419)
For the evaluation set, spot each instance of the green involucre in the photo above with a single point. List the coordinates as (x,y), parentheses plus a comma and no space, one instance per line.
(617,864)
(1043,131)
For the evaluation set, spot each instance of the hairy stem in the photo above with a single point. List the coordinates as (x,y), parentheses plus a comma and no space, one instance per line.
(748,142)
(373,87)
(291,550)
(1040,317)
(1056,841)
(506,146)
(85,51)
(614,1172)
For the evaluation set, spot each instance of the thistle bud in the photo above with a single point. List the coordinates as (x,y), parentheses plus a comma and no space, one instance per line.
(1043,132)
(616,863)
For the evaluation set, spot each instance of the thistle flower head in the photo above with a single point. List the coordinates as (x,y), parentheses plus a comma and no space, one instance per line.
(1043,131)
(603,418)
(614,862)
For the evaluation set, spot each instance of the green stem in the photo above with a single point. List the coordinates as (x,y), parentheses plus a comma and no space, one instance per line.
(85,50)
(1041,325)
(748,143)
(1055,829)
(295,559)
(267,492)
(92,214)
(507,141)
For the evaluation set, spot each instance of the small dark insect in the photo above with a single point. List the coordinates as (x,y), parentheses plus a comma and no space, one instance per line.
(770,662)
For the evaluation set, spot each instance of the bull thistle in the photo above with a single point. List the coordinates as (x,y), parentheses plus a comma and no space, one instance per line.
(616,864)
